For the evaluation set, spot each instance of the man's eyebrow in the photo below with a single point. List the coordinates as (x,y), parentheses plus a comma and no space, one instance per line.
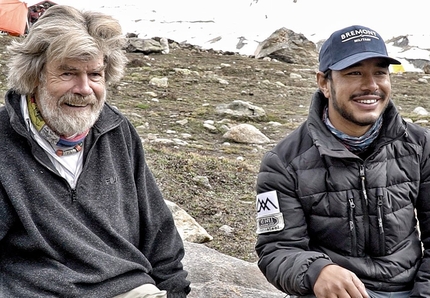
(382,63)
(100,68)
(66,67)
(355,65)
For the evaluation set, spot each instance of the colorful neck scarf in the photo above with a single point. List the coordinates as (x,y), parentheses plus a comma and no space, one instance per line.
(49,135)
(354,144)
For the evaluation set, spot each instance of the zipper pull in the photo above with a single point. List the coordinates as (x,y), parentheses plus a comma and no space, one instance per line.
(379,195)
(363,185)
(350,198)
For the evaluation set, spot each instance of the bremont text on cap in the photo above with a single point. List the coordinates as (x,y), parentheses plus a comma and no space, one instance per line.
(350,45)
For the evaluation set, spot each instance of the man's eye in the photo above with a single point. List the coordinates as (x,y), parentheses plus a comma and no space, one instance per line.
(96,76)
(66,76)
(382,73)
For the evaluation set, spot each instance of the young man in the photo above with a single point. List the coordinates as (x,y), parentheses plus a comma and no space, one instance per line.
(336,199)
(80,212)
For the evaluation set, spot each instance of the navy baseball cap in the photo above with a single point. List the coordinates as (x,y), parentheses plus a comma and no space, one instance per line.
(350,45)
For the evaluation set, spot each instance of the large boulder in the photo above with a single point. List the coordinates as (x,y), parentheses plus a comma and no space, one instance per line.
(290,47)
(239,109)
(246,133)
(215,275)
(147,45)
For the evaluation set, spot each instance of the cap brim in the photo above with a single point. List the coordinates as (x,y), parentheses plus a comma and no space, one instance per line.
(348,61)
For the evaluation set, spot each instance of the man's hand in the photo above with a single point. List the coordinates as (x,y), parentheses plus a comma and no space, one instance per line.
(337,282)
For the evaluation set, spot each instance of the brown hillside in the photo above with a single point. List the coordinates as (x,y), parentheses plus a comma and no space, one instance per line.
(215,79)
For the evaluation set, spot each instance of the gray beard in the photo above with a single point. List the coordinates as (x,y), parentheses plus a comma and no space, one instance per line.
(66,124)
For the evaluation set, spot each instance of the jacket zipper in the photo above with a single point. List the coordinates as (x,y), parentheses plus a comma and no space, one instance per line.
(365,208)
(350,198)
(73,193)
(379,196)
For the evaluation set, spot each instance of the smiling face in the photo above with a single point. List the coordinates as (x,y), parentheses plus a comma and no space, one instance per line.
(357,95)
(71,95)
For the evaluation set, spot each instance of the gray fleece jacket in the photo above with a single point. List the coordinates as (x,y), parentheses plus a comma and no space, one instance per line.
(110,234)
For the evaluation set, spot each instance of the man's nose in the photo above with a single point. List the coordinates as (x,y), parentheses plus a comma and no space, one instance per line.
(370,83)
(82,86)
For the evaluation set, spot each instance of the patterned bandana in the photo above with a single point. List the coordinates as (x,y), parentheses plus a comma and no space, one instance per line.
(49,135)
(354,144)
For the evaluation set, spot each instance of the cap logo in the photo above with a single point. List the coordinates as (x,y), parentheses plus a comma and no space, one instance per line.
(351,45)
(359,35)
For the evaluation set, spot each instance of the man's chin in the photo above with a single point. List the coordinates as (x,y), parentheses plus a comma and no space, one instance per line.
(71,130)
(69,124)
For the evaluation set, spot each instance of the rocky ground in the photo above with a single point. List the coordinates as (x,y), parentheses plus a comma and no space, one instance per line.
(179,148)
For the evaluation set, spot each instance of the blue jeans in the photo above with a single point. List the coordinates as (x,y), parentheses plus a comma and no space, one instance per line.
(372,294)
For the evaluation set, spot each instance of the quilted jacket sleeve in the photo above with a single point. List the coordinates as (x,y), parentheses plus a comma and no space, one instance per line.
(284,256)
(422,279)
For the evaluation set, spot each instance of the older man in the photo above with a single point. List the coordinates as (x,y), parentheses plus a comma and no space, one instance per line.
(80,212)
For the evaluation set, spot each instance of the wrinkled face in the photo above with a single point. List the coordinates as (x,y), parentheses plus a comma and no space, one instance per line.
(357,95)
(71,95)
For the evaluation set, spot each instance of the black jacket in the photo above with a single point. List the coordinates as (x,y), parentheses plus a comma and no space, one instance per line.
(111,233)
(356,212)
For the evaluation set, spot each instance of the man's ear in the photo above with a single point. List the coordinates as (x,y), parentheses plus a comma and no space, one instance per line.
(322,82)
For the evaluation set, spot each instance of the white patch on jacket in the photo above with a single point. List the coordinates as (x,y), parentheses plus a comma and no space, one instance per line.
(269,216)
